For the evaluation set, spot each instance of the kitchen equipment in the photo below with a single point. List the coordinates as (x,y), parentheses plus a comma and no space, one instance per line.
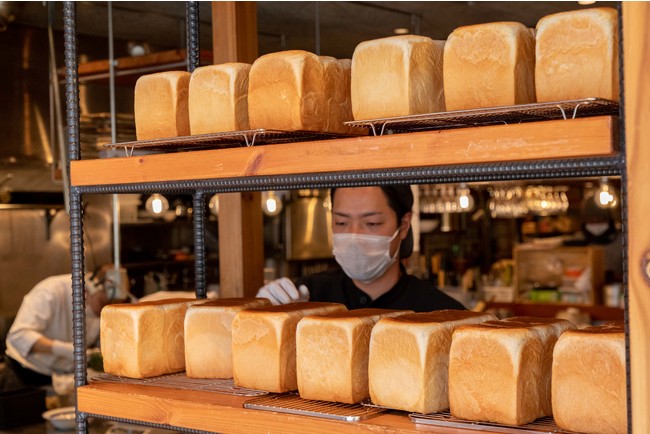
(61,418)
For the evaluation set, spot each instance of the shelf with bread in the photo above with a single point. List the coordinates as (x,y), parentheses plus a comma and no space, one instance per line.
(128,69)
(554,148)
(558,145)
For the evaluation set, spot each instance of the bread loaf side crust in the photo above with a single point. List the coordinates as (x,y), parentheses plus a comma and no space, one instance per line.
(264,344)
(576,55)
(489,65)
(161,105)
(409,357)
(589,391)
(332,354)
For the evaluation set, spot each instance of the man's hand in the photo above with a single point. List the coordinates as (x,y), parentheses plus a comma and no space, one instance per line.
(283,291)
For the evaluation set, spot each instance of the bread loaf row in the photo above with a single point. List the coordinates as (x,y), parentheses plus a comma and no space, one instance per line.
(509,372)
(571,55)
(291,90)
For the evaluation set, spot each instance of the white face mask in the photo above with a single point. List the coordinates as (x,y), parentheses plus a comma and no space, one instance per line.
(363,257)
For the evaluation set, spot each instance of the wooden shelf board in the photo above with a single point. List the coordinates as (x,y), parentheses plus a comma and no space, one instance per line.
(597,313)
(214,412)
(583,137)
(160,58)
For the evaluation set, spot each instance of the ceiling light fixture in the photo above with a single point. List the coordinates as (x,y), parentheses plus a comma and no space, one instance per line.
(157,205)
(586,2)
(465,199)
(401,31)
(271,203)
(606,196)
(214,205)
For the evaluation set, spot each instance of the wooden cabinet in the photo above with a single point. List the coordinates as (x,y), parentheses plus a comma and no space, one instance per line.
(574,274)
(571,148)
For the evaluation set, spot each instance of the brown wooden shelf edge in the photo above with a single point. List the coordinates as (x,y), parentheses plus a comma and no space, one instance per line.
(214,412)
(597,313)
(575,138)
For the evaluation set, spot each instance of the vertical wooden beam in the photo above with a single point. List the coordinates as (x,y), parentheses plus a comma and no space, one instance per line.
(636,22)
(234,31)
(241,244)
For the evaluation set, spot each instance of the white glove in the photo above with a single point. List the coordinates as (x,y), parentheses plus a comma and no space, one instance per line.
(283,291)
(63,349)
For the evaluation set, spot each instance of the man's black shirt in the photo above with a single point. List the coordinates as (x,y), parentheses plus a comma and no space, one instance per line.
(408,293)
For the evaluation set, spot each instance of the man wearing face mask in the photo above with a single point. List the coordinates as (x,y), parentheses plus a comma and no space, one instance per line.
(371,233)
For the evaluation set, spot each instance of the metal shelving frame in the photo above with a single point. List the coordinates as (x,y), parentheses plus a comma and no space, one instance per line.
(504,171)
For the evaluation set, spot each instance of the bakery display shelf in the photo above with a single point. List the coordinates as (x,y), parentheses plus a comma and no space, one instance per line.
(230,139)
(181,381)
(198,410)
(569,109)
(544,425)
(482,151)
(292,403)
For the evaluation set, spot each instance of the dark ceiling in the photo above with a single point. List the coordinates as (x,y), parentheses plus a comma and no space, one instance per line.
(328,28)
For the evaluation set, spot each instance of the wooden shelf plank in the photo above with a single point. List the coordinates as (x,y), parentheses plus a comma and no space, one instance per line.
(214,412)
(583,137)
(597,313)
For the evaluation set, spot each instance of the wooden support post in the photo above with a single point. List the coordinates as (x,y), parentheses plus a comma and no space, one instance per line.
(636,22)
(241,246)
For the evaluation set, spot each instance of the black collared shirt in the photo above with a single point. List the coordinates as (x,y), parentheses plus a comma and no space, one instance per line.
(408,293)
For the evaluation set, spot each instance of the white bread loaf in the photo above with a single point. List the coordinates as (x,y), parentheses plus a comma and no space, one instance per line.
(297,90)
(576,55)
(409,358)
(264,344)
(397,76)
(144,339)
(489,65)
(500,371)
(589,386)
(161,105)
(332,354)
(218,98)
(208,336)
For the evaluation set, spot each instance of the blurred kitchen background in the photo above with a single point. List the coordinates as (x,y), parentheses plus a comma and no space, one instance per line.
(554,241)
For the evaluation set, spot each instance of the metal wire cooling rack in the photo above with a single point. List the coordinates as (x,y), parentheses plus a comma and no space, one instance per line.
(292,403)
(570,109)
(545,425)
(232,139)
(182,381)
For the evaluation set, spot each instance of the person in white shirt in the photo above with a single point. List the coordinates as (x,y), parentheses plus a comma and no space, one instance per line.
(39,342)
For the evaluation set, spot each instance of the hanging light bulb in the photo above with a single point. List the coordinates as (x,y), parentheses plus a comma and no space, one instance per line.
(157,205)
(606,196)
(213,204)
(271,203)
(465,199)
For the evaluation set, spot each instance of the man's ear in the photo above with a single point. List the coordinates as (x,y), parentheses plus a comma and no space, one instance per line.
(405,224)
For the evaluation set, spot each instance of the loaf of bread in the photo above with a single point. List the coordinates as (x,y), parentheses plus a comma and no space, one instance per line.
(397,76)
(144,339)
(332,354)
(409,358)
(208,336)
(500,371)
(589,386)
(299,91)
(489,65)
(218,98)
(576,55)
(161,105)
(264,344)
